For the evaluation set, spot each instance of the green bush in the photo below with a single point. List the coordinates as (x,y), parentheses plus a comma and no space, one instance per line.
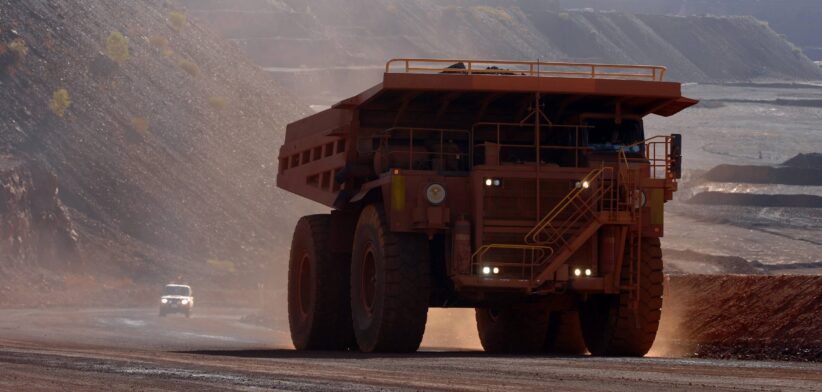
(117,47)
(60,102)
(178,20)
(189,66)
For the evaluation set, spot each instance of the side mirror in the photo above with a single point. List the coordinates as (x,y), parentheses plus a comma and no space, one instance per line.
(676,155)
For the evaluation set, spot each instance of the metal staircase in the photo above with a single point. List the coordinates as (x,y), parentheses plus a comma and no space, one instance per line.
(561,232)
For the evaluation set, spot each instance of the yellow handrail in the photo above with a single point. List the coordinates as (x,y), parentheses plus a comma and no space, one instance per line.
(528,68)
(531,237)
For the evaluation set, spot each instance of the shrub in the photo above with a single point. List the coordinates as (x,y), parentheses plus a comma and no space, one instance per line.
(167,52)
(178,20)
(218,103)
(19,48)
(117,47)
(140,124)
(497,13)
(60,102)
(158,41)
(12,55)
(190,67)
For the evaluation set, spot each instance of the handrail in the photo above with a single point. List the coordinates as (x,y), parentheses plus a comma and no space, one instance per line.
(386,134)
(531,236)
(528,68)
(658,160)
(577,148)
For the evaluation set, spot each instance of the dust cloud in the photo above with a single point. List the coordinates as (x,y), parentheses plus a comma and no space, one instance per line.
(451,329)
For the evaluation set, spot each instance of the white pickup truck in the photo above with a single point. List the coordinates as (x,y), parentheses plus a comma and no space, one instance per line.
(177,298)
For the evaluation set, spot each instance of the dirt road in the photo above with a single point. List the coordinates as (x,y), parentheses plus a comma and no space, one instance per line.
(133,349)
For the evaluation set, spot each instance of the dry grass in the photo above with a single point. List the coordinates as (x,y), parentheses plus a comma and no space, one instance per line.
(218,103)
(140,125)
(190,67)
(178,20)
(496,13)
(12,55)
(158,41)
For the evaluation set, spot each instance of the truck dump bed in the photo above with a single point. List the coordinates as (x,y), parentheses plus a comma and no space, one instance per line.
(320,151)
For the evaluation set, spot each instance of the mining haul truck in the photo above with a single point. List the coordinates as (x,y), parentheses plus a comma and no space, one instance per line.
(526,190)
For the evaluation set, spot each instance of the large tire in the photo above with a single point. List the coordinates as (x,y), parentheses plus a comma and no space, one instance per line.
(319,312)
(609,324)
(515,329)
(390,285)
(565,334)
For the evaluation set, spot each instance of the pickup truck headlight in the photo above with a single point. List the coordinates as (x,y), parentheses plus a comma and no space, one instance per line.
(165,301)
(185,302)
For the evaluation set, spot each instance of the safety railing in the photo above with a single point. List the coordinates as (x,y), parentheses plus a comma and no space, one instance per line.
(531,257)
(656,152)
(595,193)
(444,147)
(578,149)
(527,68)
(592,194)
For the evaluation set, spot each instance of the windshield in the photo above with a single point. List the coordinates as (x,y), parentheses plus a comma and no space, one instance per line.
(177,290)
(606,136)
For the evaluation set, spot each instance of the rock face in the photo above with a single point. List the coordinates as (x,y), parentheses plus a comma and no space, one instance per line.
(165,156)
(799,20)
(36,231)
(334,47)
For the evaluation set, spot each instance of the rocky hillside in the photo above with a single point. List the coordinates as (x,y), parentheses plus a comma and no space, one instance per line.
(145,143)
(336,47)
(799,20)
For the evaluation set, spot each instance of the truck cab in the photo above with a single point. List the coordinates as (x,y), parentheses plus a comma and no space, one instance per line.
(526,190)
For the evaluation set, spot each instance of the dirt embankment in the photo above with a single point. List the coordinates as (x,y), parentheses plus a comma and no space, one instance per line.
(160,136)
(747,317)
(803,169)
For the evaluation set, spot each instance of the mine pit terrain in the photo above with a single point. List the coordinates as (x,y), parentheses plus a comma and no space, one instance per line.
(718,347)
(160,170)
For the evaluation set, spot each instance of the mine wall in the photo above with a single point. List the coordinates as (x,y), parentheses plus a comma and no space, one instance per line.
(36,230)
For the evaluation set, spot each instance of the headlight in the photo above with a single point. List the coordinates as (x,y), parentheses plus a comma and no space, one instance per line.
(165,301)
(185,302)
(435,193)
(493,182)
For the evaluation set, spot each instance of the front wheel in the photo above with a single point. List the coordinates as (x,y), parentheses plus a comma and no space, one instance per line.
(390,285)
(319,314)
(610,324)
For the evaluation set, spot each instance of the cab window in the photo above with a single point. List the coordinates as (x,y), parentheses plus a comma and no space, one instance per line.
(604,135)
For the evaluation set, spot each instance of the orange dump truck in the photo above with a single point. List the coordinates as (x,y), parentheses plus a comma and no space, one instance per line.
(526,190)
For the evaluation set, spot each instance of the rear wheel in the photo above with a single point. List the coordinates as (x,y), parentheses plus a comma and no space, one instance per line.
(319,312)
(390,285)
(515,329)
(611,326)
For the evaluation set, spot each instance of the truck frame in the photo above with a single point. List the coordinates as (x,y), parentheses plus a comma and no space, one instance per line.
(525,190)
